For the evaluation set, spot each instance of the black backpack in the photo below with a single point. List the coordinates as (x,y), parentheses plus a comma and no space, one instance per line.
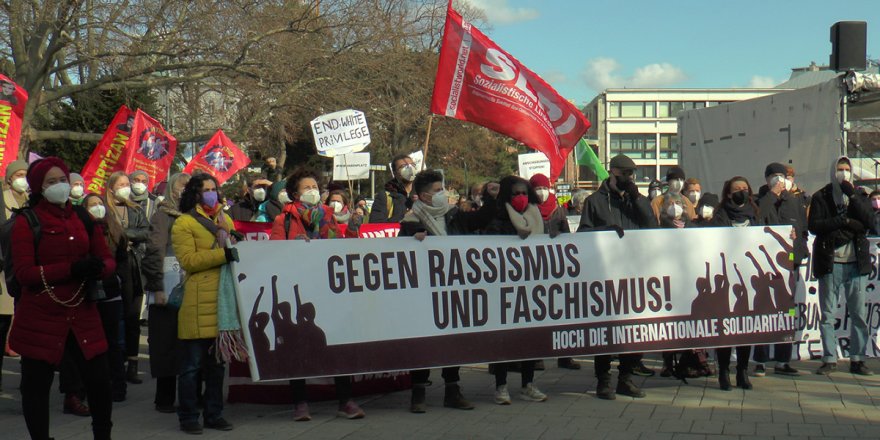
(13,288)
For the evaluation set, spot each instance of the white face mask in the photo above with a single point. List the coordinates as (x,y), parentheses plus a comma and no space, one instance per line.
(706,212)
(284,198)
(439,199)
(675,185)
(843,176)
(337,207)
(408,172)
(775,180)
(98,211)
(310,197)
(789,185)
(123,193)
(138,188)
(260,194)
(543,194)
(76,191)
(20,185)
(694,197)
(58,193)
(674,211)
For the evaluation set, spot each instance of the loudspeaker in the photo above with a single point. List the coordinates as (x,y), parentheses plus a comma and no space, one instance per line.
(849,45)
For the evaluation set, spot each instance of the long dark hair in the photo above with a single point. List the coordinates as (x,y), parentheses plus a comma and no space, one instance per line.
(192,192)
(725,193)
(505,192)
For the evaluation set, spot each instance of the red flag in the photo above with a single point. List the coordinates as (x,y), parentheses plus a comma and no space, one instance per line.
(105,159)
(219,158)
(150,149)
(12,101)
(479,82)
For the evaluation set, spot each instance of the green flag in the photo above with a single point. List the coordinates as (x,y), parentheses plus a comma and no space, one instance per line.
(584,155)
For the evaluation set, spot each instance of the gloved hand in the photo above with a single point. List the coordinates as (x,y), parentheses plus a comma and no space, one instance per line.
(88,268)
(855,225)
(847,188)
(631,189)
(618,229)
(231,255)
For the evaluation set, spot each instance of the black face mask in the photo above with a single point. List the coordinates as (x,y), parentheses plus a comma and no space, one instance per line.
(740,197)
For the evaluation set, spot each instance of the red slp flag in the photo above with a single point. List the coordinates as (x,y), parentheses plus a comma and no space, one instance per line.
(12,101)
(219,158)
(150,149)
(479,82)
(105,159)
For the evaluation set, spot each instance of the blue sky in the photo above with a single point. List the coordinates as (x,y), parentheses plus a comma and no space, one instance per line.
(582,47)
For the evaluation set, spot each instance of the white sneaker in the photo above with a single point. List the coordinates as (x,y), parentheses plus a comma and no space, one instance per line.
(502,397)
(532,394)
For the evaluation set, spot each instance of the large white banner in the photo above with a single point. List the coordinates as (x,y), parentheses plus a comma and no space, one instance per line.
(331,307)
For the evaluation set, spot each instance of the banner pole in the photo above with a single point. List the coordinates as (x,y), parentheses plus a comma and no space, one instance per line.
(348,177)
(427,139)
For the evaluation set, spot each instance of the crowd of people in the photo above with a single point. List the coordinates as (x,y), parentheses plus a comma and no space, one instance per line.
(85,265)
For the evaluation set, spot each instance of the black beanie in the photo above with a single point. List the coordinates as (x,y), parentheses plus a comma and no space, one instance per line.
(774,168)
(675,173)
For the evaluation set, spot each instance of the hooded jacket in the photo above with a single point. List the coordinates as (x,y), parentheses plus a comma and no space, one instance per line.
(606,207)
(836,221)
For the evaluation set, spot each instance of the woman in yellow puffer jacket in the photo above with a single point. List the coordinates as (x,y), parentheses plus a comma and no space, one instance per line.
(198,237)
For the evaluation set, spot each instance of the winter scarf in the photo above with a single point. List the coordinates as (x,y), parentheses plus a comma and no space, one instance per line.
(526,223)
(316,220)
(434,218)
(548,207)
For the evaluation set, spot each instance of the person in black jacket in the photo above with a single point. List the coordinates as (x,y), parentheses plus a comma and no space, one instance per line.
(393,203)
(875,205)
(778,206)
(737,209)
(248,209)
(839,217)
(617,204)
(432,214)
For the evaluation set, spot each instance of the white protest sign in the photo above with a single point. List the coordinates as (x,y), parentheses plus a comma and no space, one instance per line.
(352,166)
(533,163)
(418,159)
(341,132)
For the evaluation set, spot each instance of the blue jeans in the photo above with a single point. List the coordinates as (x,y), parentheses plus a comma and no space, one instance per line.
(844,275)
(198,355)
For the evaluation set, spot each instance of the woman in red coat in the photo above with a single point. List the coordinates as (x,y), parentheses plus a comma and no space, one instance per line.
(53,317)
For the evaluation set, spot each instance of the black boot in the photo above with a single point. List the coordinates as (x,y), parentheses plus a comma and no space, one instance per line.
(417,402)
(626,387)
(604,390)
(724,379)
(131,374)
(742,379)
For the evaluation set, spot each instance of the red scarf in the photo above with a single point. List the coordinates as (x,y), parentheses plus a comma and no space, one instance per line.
(548,207)
(212,212)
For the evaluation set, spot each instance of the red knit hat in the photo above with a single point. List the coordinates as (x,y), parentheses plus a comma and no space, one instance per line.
(539,180)
(38,170)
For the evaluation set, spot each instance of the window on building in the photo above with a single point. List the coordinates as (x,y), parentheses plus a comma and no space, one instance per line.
(650,109)
(613,110)
(668,146)
(636,146)
(671,109)
(632,109)
(645,174)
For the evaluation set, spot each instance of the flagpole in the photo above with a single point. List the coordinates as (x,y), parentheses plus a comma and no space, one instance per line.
(427,139)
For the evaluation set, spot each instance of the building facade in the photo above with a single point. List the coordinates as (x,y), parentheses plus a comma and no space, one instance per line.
(642,124)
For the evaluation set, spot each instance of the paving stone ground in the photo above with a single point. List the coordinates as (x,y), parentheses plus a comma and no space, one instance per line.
(840,406)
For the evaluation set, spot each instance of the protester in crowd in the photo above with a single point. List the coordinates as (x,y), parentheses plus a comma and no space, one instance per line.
(875,205)
(778,206)
(16,194)
(619,205)
(307,218)
(53,316)
(361,208)
(134,223)
(466,205)
(737,209)
(274,205)
(393,203)
(77,189)
(140,194)
(163,320)
(839,218)
(796,191)
(517,214)
(706,209)
(654,190)
(453,196)
(675,179)
(247,210)
(576,204)
(12,198)
(198,239)
(349,222)
(271,171)
(476,195)
(692,190)
(672,214)
(432,215)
